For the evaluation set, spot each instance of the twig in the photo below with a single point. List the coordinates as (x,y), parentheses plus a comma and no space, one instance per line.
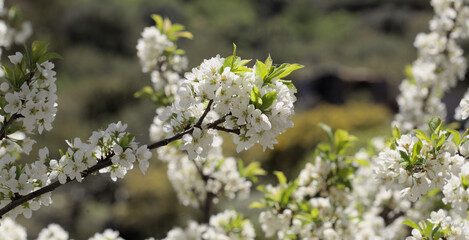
(6,124)
(201,119)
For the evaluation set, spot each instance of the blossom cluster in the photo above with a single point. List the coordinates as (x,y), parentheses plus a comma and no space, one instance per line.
(337,196)
(11,230)
(113,143)
(12,29)
(227,225)
(213,92)
(157,52)
(438,67)
(322,202)
(36,99)
(214,175)
(440,225)
(418,164)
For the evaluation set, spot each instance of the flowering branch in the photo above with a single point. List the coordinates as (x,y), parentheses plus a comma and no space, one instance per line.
(105,162)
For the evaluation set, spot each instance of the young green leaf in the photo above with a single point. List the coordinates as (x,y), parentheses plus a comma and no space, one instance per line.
(416,150)
(456,136)
(412,225)
(422,135)
(281,177)
(256,98)
(158,21)
(290,69)
(328,130)
(261,69)
(267,100)
(435,125)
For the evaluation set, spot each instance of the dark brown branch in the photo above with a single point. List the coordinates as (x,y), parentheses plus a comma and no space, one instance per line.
(201,119)
(207,209)
(235,131)
(7,124)
(166,141)
(218,121)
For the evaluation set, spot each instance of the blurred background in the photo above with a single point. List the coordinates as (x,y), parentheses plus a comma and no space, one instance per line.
(354,53)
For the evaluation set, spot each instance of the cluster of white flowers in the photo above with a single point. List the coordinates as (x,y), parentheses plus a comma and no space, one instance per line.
(113,142)
(36,100)
(53,232)
(450,227)
(150,48)
(166,68)
(441,167)
(10,230)
(318,209)
(11,30)
(433,170)
(226,95)
(438,67)
(18,181)
(227,225)
(215,175)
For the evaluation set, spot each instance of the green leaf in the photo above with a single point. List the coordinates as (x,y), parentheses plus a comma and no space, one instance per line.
(256,98)
(124,141)
(176,28)
(290,69)
(261,69)
(257,205)
(38,50)
(464,181)
(268,99)
(268,64)
(145,92)
(286,194)
(463,137)
(412,225)
(416,150)
(408,72)
(441,141)
(184,34)
(434,125)
(281,177)
(314,213)
(396,133)
(9,75)
(362,162)
(422,135)
(456,136)
(49,56)
(404,156)
(428,229)
(158,21)
(342,140)
(328,130)
(251,171)
(262,188)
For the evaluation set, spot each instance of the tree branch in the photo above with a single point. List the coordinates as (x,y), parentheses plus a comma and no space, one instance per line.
(106,162)
(6,124)
(235,131)
(201,119)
